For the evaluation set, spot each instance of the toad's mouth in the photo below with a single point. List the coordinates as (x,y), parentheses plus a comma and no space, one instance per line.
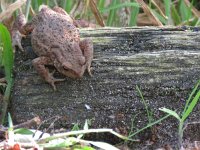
(70,73)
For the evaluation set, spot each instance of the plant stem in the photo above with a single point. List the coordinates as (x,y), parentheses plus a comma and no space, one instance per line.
(6,100)
(180,133)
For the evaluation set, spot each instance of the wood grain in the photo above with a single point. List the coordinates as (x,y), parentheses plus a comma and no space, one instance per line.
(163,62)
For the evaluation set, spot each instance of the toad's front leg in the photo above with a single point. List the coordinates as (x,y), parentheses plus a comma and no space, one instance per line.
(39,64)
(86,46)
(20,29)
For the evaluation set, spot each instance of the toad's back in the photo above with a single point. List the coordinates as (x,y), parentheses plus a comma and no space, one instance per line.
(53,29)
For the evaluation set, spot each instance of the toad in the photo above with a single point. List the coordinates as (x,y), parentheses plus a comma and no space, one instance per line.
(56,41)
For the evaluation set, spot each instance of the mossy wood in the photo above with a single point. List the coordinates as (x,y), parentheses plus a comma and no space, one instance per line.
(163,62)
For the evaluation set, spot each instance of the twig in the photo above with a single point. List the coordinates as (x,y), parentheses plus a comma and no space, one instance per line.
(33,122)
(149,13)
(61,135)
(96,13)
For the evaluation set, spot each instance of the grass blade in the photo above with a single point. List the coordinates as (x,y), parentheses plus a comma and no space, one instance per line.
(190,97)
(167,4)
(175,15)
(10,122)
(7,51)
(160,17)
(101,145)
(28,5)
(68,5)
(171,112)
(191,106)
(112,12)
(117,6)
(10,129)
(150,118)
(134,15)
(23,131)
(185,11)
(149,125)
(7,62)
(101,4)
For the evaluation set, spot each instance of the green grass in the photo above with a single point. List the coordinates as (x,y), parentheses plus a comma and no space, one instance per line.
(67,5)
(188,109)
(134,15)
(7,62)
(148,126)
(149,116)
(148,111)
(175,13)
(28,5)
(1,54)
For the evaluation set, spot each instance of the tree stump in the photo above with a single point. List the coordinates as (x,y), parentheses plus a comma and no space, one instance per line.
(163,62)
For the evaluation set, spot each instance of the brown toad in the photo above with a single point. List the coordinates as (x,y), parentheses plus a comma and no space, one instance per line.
(56,41)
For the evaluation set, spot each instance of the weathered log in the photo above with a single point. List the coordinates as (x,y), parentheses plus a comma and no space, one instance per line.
(163,62)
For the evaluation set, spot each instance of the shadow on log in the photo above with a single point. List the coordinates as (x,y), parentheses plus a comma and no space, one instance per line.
(163,62)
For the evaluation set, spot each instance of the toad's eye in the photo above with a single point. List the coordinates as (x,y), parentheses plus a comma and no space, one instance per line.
(67,66)
(66,69)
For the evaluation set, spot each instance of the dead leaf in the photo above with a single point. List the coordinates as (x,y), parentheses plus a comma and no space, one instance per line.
(149,13)
(96,13)
(10,9)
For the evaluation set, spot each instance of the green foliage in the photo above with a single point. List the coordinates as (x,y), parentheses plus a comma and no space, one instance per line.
(10,122)
(112,13)
(7,53)
(67,5)
(7,62)
(28,5)
(178,13)
(23,131)
(1,53)
(191,103)
(175,13)
(101,4)
(149,115)
(134,14)
(167,4)
(148,126)
(189,106)
(37,3)
(148,111)
(114,7)
(76,127)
